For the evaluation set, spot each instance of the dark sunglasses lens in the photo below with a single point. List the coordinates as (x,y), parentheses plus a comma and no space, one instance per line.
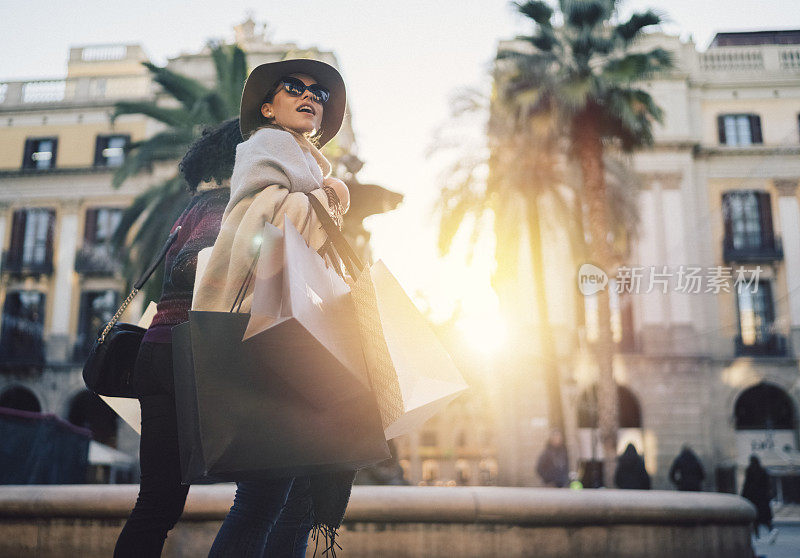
(320,93)
(294,87)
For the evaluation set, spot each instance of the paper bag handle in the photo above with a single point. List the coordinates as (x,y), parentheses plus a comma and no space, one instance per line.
(339,242)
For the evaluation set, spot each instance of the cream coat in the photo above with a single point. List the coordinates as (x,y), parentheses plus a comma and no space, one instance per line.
(260,200)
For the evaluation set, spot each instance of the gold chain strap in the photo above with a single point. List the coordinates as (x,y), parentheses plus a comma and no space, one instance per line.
(114,319)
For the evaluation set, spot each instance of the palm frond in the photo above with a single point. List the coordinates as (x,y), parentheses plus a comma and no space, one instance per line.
(628,32)
(628,117)
(185,89)
(538,11)
(586,13)
(169,116)
(231,69)
(454,207)
(164,146)
(633,67)
(131,213)
(575,93)
(544,40)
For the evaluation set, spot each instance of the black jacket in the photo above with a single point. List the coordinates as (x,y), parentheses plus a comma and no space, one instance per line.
(687,471)
(758,489)
(630,471)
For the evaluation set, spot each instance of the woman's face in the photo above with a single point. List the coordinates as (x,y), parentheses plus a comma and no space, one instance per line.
(301,114)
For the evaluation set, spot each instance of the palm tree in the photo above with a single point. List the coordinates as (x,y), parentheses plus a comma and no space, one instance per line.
(584,72)
(185,108)
(521,155)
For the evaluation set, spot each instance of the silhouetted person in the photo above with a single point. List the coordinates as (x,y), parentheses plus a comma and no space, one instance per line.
(758,489)
(687,472)
(630,471)
(553,466)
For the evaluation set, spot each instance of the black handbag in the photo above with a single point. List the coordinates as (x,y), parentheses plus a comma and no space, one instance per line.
(109,368)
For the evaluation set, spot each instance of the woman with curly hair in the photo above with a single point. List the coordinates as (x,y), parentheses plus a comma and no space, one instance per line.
(207,168)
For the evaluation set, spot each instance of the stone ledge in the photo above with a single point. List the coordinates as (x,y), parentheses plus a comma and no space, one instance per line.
(407,522)
(410,504)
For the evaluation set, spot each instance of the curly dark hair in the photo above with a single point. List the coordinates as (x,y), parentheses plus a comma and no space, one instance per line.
(211,156)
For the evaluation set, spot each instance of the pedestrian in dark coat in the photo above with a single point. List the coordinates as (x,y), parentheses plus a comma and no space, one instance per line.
(553,466)
(630,471)
(687,471)
(758,489)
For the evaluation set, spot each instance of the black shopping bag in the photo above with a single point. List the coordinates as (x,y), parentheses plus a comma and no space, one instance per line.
(238,420)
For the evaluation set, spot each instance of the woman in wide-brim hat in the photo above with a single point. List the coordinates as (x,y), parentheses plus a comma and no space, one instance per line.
(289,110)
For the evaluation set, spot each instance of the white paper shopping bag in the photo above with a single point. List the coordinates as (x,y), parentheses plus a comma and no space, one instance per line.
(410,371)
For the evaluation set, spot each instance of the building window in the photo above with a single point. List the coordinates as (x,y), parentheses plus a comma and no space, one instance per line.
(739,129)
(428,438)
(101,222)
(97,308)
(40,153)
(749,234)
(96,256)
(110,150)
(31,247)
(756,313)
(21,337)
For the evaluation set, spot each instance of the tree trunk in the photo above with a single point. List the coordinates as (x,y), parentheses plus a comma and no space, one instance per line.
(578,245)
(589,149)
(555,412)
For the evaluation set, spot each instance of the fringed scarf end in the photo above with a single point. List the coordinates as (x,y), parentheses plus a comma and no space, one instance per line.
(329,535)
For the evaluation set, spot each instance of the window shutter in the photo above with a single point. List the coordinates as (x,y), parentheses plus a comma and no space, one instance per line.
(55,151)
(90,226)
(30,147)
(755,128)
(765,215)
(51,225)
(17,233)
(721,129)
(99,145)
(727,219)
(769,304)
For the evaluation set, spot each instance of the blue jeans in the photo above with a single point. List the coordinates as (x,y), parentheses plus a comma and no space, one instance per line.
(268,519)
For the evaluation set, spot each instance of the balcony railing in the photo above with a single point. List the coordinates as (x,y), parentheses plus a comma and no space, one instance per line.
(765,253)
(21,352)
(15,263)
(78,90)
(771,345)
(96,259)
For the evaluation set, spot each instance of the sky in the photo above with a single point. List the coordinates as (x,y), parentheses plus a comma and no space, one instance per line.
(402,63)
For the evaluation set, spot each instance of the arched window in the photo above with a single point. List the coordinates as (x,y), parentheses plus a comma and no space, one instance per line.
(764,407)
(89,411)
(20,398)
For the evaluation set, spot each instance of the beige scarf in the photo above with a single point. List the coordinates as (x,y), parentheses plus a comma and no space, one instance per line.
(266,186)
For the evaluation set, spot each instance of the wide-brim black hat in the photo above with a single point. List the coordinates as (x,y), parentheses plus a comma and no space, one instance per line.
(265,76)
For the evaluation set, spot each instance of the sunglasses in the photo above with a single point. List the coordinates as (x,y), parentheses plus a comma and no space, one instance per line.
(296,88)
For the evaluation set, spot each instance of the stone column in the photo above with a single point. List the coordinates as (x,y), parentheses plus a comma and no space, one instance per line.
(790,232)
(59,337)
